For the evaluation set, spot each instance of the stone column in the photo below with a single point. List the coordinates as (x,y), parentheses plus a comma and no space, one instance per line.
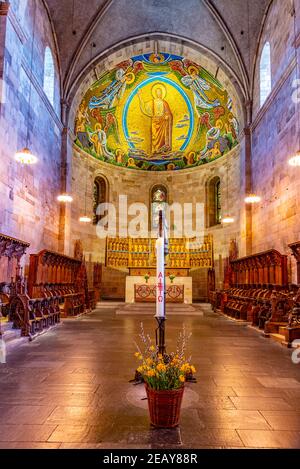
(4,8)
(248,188)
(248,178)
(63,213)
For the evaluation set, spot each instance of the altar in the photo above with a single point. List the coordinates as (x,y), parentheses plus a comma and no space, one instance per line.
(139,291)
(137,257)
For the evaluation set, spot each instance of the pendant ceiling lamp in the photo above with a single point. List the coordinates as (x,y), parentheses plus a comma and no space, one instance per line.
(65,198)
(85,219)
(252,199)
(294,160)
(227,219)
(25,156)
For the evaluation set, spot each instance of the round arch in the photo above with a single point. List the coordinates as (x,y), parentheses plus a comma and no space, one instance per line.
(107,59)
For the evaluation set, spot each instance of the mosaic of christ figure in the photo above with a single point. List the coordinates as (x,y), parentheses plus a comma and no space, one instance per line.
(158,110)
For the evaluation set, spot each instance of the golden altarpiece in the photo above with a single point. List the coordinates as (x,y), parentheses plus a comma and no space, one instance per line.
(138,257)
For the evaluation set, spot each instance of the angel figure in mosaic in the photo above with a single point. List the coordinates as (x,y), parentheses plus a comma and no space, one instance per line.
(99,140)
(199,88)
(112,93)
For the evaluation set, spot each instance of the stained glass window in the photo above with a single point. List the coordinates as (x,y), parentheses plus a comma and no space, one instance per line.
(158,201)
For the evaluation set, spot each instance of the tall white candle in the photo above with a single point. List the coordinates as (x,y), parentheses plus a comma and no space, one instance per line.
(160,278)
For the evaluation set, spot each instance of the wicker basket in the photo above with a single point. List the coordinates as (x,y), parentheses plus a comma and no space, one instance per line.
(164,406)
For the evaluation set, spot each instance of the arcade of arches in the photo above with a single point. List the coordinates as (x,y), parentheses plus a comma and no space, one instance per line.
(111,114)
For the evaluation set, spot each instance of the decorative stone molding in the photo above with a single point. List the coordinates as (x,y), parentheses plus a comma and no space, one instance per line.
(22,35)
(234,153)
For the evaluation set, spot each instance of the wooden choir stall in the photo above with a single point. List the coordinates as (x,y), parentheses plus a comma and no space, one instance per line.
(57,287)
(54,274)
(11,252)
(259,293)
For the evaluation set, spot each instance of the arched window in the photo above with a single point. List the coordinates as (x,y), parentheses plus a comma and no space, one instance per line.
(213,202)
(265,73)
(100,194)
(158,201)
(49,75)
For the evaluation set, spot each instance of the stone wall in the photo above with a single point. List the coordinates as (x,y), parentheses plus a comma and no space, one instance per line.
(183,186)
(28,206)
(276,221)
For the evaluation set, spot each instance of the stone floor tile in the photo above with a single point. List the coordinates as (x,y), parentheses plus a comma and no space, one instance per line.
(215,402)
(26,433)
(25,414)
(270,439)
(233,419)
(29,445)
(270,382)
(283,420)
(73,414)
(258,392)
(260,403)
(69,434)
(86,381)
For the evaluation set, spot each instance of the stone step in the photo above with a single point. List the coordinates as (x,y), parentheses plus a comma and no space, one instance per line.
(149,308)
(108,304)
(278,338)
(282,330)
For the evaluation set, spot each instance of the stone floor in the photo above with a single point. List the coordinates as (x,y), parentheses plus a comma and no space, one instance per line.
(70,388)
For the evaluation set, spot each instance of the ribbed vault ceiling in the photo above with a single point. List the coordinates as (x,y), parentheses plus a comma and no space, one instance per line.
(221,26)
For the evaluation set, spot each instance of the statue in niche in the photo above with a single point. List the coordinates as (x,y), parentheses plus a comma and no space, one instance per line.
(158,202)
(161,117)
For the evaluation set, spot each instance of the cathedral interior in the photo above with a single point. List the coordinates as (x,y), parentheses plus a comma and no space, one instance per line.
(124,122)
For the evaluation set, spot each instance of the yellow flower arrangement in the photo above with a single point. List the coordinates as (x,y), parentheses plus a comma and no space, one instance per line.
(164,372)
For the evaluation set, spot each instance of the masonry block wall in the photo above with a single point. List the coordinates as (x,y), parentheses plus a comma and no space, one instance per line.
(28,206)
(276,221)
(185,186)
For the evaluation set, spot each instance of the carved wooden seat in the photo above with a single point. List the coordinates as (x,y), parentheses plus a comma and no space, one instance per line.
(61,277)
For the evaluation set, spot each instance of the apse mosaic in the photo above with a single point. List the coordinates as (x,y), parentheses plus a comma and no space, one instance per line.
(156,112)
